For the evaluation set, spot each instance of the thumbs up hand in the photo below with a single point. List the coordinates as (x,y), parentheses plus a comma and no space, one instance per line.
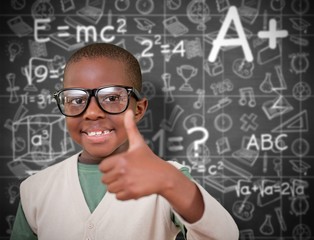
(137,172)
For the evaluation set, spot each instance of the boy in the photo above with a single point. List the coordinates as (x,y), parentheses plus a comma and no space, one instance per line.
(116,188)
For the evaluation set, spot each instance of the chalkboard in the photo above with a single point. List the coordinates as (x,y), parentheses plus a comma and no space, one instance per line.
(229,84)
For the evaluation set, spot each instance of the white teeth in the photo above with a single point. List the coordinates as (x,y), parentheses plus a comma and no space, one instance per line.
(99,133)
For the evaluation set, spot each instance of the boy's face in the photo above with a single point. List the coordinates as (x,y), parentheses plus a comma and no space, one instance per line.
(90,74)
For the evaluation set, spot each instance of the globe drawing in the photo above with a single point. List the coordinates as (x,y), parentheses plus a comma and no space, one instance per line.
(198,12)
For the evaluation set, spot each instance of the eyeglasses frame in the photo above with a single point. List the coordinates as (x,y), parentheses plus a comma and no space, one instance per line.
(93,93)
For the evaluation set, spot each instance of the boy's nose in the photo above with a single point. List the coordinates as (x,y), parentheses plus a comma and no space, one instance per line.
(93,110)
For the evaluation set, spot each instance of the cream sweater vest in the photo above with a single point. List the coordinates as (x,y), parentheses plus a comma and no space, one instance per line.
(55,208)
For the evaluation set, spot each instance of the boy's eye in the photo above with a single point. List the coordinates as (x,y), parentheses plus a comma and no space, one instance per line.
(111,98)
(75,100)
(78,101)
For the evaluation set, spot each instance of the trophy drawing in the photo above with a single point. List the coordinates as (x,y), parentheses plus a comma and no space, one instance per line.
(186,72)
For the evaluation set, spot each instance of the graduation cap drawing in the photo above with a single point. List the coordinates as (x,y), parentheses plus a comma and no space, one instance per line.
(144,24)
(300,24)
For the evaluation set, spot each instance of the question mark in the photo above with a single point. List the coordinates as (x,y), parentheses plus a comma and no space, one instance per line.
(199,141)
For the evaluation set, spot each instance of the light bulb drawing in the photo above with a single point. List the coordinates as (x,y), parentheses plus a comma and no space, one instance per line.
(10,220)
(15,49)
(14,192)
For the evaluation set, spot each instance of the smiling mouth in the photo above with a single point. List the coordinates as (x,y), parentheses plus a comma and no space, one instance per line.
(98,133)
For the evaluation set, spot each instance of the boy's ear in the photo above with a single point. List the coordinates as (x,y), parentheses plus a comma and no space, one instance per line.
(140,110)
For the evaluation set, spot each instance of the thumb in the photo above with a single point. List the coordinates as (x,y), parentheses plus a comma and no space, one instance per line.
(134,135)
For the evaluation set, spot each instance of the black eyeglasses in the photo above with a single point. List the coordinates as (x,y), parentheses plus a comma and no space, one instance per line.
(73,102)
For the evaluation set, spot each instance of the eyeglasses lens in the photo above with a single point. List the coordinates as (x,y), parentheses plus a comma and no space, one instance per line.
(73,102)
(113,99)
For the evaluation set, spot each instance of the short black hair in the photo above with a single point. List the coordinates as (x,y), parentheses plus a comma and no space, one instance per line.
(107,50)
